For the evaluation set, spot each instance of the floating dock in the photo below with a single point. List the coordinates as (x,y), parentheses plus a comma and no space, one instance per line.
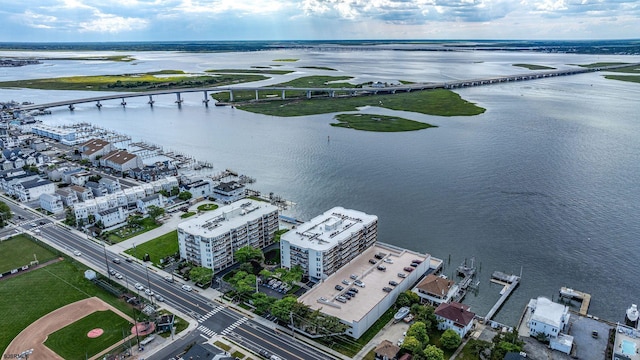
(584,298)
(510,283)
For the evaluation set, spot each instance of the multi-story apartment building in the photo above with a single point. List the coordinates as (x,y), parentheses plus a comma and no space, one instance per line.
(324,244)
(211,239)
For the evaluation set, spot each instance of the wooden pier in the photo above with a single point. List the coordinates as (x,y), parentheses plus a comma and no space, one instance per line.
(510,283)
(584,298)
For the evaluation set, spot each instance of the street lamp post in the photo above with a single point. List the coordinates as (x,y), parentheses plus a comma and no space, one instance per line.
(106,261)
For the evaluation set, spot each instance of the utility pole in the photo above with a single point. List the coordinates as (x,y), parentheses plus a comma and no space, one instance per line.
(293,332)
(106,261)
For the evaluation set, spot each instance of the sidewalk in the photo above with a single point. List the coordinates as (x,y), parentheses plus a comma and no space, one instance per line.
(169,225)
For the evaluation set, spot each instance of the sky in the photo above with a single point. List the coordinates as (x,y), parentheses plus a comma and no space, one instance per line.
(214,20)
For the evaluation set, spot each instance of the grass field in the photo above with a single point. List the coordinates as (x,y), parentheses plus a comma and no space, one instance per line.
(318,68)
(380,123)
(251,71)
(207,207)
(534,67)
(630,78)
(438,102)
(158,248)
(601,64)
(71,342)
(28,297)
(131,82)
(19,250)
(129,231)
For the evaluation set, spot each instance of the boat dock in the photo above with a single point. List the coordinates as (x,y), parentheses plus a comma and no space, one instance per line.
(584,298)
(510,283)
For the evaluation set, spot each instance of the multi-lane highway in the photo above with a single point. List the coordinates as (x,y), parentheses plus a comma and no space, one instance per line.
(213,318)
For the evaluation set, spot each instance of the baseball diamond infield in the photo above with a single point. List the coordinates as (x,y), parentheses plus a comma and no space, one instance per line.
(34,335)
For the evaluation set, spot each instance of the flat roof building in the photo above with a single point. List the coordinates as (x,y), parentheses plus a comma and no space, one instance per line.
(372,300)
(212,238)
(327,242)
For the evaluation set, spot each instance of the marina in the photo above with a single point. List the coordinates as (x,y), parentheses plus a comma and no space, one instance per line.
(510,283)
(571,294)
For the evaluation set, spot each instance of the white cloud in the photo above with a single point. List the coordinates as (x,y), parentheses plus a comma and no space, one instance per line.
(106,23)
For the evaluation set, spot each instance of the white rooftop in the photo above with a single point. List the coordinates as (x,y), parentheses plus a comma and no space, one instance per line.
(328,229)
(548,312)
(217,222)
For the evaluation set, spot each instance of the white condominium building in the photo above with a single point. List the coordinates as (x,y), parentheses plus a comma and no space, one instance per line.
(212,238)
(325,243)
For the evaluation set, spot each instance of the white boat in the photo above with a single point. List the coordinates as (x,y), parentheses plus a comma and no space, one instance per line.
(632,313)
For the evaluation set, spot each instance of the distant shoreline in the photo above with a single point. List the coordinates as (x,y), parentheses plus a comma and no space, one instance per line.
(600,47)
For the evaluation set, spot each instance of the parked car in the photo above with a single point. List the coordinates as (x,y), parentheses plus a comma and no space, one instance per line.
(372,261)
(388,261)
(417,261)
(341,299)
(353,276)
(346,282)
(379,256)
(187,288)
(387,289)
(414,264)
(393,283)
(119,276)
(339,288)
(408,269)
(138,286)
(112,272)
(382,268)
(148,292)
(358,283)
(168,279)
(354,290)
(402,275)
(347,295)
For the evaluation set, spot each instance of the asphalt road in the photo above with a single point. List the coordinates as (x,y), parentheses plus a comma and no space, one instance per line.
(213,318)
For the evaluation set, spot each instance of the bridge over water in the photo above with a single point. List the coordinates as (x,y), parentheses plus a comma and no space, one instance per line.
(331,92)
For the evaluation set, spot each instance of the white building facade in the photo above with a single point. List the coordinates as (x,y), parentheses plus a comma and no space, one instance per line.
(550,319)
(325,243)
(211,239)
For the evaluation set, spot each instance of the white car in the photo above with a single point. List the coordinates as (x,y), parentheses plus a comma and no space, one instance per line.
(138,286)
(119,276)
(388,261)
(77,253)
(159,297)
(187,288)
(358,283)
(148,292)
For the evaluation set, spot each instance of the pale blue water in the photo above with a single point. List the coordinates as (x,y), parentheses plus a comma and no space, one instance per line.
(628,347)
(545,181)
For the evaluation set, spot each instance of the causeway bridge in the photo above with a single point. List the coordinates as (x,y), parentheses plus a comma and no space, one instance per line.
(330,92)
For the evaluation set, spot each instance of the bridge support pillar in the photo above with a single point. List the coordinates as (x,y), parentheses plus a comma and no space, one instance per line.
(332,93)
(256,94)
(151,100)
(230,95)
(283,96)
(206,99)
(123,103)
(308,94)
(71,107)
(178,99)
(98,105)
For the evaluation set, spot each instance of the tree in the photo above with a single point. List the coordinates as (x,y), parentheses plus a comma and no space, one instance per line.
(185,195)
(411,344)
(450,339)
(243,282)
(262,302)
(91,218)
(70,217)
(174,191)
(5,214)
(432,352)
(504,343)
(419,330)
(247,253)
(246,267)
(201,275)
(426,314)
(155,212)
(407,298)
(282,308)
(164,193)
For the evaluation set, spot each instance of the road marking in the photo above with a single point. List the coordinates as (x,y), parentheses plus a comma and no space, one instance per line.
(234,325)
(210,313)
(207,331)
(272,344)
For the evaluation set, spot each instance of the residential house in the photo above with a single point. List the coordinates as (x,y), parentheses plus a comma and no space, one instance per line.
(79,178)
(155,200)
(550,320)
(386,350)
(82,193)
(111,217)
(436,290)
(112,185)
(228,192)
(66,136)
(94,149)
(68,196)
(32,189)
(121,161)
(454,316)
(52,203)
(199,188)
(97,188)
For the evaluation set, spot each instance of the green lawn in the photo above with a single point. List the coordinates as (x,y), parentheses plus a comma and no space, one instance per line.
(158,248)
(318,68)
(601,64)
(534,67)
(380,123)
(130,230)
(19,251)
(187,214)
(207,207)
(286,60)
(27,297)
(71,342)
(438,102)
(251,71)
(131,82)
